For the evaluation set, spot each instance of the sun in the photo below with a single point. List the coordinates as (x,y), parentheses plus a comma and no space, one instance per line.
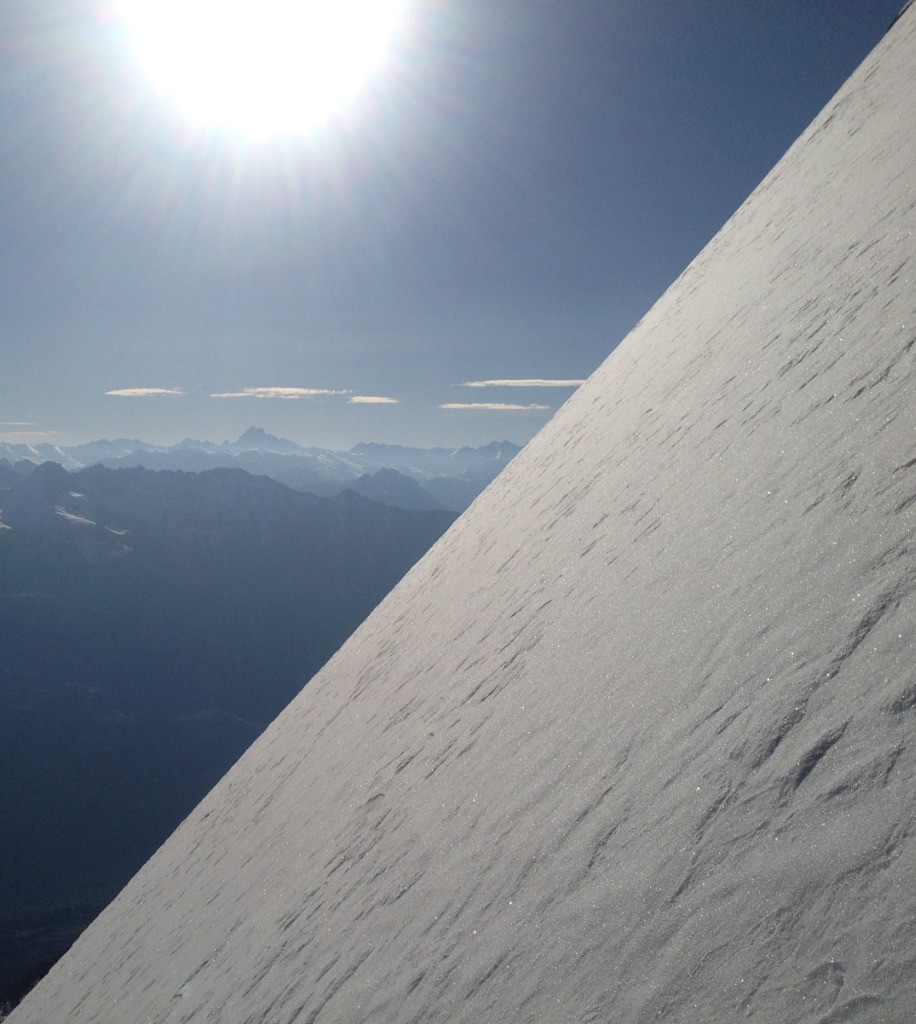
(261,67)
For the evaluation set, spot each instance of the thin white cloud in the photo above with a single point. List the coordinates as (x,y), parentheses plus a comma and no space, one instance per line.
(144,392)
(536,382)
(27,436)
(13,423)
(284,393)
(373,400)
(494,406)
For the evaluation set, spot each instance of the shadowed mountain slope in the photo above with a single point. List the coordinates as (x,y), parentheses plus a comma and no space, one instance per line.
(152,624)
(635,741)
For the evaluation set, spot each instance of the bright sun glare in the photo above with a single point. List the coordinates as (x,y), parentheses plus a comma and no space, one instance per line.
(261,67)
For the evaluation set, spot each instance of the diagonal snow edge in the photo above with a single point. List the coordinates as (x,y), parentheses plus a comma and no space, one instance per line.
(635,740)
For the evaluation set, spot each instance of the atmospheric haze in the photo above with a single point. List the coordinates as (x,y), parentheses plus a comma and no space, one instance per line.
(635,740)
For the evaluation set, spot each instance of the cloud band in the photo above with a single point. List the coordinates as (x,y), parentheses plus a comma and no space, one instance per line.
(535,382)
(144,392)
(283,393)
(494,406)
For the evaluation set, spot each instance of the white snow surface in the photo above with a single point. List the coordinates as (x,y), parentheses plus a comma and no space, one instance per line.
(635,741)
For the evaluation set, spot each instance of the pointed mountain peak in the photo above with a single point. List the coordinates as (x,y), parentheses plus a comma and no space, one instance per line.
(256,435)
(258,439)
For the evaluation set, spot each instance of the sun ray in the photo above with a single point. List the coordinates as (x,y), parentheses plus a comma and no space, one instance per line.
(261,67)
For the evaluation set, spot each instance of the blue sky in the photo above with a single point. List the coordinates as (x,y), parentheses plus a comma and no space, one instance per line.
(502,203)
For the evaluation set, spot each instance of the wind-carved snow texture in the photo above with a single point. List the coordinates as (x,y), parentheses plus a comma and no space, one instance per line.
(635,741)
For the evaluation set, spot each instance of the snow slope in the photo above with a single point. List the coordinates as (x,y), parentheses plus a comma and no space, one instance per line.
(635,741)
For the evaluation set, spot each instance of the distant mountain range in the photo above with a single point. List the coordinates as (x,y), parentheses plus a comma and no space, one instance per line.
(152,624)
(415,478)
